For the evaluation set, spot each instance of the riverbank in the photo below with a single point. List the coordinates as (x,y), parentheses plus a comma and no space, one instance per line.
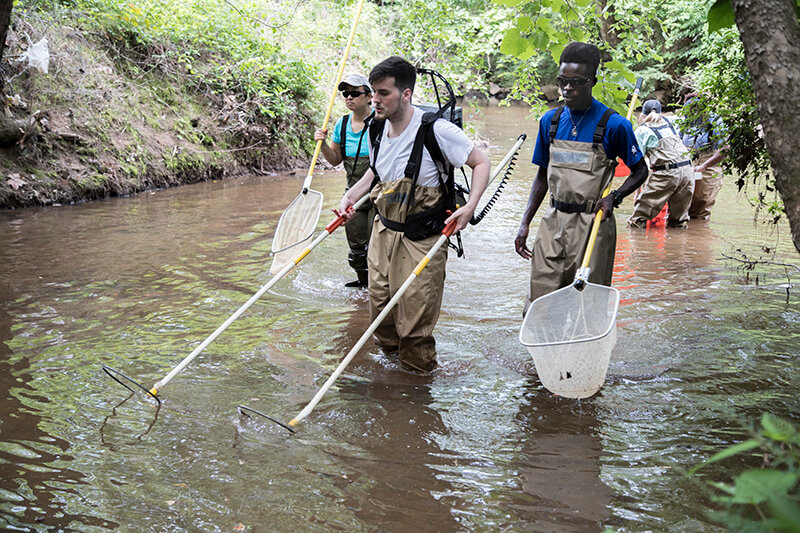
(141,97)
(116,114)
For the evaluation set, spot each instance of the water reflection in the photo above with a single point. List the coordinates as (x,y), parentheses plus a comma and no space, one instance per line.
(559,465)
(36,487)
(398,455)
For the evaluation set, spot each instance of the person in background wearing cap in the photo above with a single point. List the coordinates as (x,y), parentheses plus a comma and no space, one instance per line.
(671,179)
(351,146)
(705,136)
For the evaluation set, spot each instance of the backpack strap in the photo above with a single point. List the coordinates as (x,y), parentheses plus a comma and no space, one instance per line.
(415,159)
(443,166)
(554,123)
(600,130)
(426,137)
(375,129)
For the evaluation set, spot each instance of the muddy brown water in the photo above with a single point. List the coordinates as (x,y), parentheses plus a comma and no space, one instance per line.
(137,283)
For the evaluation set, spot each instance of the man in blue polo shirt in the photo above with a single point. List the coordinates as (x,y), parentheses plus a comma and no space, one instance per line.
(576,151)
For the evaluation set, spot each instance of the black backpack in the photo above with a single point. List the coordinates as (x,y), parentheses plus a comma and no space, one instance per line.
(429,222)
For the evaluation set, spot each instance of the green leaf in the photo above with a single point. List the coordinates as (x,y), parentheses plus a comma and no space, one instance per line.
(513,43)
(524,23)
(570,15)
(756,486)
(556,48)
(786,512)
(541,40)
(730,451)
(509,3)
(777,428)
(545,24)
(555,5)
(720,15)
(576,34)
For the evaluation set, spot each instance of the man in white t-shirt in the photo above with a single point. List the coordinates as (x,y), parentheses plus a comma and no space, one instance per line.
(415,212)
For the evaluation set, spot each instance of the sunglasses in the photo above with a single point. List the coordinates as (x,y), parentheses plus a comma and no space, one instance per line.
(575,82)
(353,94)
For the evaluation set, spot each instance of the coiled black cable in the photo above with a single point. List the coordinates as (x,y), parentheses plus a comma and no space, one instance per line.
(488,207)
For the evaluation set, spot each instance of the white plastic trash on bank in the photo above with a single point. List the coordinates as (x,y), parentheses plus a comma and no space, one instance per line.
(37,55)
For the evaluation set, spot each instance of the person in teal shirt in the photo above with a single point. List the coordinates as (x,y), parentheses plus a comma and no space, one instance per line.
(350,146)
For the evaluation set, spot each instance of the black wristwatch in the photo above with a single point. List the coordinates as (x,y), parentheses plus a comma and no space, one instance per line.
(617,198)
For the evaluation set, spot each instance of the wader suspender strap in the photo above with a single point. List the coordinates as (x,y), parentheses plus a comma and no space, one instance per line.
(554,123)
(658,134)
(600,130)
(597,139)
(343,136)
(656,130)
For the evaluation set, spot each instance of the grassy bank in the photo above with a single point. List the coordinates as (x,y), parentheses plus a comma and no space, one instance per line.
(150,94)
(143,95)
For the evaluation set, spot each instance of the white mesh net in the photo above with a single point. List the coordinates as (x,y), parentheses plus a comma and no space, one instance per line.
(296,225)
(570,334)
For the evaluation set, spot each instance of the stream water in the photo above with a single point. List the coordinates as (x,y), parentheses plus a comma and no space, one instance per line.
(136,283)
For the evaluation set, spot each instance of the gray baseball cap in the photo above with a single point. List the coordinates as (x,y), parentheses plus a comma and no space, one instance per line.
(650,106)
(355,80)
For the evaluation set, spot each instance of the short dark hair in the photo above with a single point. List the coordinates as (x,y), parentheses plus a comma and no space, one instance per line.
(403,72)
(583,53)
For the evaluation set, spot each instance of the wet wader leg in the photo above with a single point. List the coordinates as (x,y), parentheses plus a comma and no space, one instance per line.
(655,193)
(602,263)
(358,231)
(681,199)
(551,268)
(418,308)
(706,190)
(380,249)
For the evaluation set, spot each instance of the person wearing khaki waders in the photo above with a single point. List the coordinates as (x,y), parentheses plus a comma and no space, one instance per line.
(350,147)
(411,213)
(671,179)
(576,151)
(705,137)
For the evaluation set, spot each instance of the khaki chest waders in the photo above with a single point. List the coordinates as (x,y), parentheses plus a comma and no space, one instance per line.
(576,176)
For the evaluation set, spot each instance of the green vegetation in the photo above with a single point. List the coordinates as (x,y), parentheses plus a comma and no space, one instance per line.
(766,498)
(250,80)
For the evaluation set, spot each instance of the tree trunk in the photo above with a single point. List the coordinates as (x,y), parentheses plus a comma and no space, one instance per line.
(606,14)
(770,32)
(5,21)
